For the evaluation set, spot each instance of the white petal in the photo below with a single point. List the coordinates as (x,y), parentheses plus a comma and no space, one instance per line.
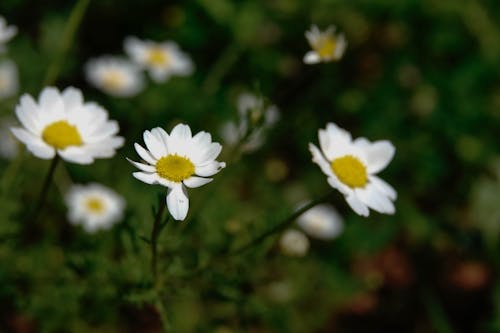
(181,132)
(144,154)
(76,155)
(375,200)
(155,146)
(178,203)
(193,182)
(384,187)
(209,169)
(320,160)
(148,178)
(206,155)
(142,167)
(27,113)
(311,58)
(359,207)
(72,98)
(44,152)
(378,155)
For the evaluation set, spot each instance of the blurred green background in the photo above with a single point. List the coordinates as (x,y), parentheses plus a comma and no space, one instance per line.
(423,74)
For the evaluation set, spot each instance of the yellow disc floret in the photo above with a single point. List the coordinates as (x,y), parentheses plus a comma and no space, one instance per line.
(325,47)
(157,57)
(174,168)
(113,80)
(95,205)
(61,134)
(350,171)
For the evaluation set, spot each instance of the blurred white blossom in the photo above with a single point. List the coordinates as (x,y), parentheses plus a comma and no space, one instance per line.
(294,243)
(9,146)
(6,33)
(9,81)
(321,221)
(326,45)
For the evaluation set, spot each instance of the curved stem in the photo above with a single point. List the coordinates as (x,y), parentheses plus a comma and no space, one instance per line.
(280,226)
(42,197)
(157,226)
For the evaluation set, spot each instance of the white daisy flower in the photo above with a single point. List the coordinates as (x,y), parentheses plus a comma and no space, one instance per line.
(94,206)
(321,221)
(62,124)
(294,243)
(9,82)
(9,146)
(254,119)
(6,33)
(162,60)
(351,166)
(177,160)
(326,46)
(115,76)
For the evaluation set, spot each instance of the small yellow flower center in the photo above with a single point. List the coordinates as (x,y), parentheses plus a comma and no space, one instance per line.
(350,171)
(113,80)
(95,205)
(158,57)
(326,46)
(174,168)
(61,134)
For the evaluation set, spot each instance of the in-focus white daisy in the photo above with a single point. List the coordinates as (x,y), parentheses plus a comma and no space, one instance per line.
(162,60)
(94,206)
(321,221)
(9,146)
(6,33)
(61,123)
(177,160)
(9,82)
(351,165)
(115,76)
(294,243)
(326,45)
(254,119)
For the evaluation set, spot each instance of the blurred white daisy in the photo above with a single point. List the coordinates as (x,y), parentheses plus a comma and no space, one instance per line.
(326,45)
(9,83)
(177,161)
(162,60)
(321,221)
(61,123)
(94,206)
(115,76)
(351,167)
(9,146)
(294,243)
(6,33)
(254,118)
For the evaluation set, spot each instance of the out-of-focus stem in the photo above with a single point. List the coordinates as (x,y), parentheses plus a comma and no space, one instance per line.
(45,187)
(70,29)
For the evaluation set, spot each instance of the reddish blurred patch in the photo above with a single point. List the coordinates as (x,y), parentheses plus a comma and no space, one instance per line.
(469,275)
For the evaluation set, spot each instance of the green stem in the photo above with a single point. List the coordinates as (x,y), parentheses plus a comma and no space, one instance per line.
(281,225)
(437,315)
(42,197)
(70,29)
(157,226)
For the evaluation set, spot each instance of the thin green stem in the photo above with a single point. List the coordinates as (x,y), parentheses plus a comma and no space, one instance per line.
(281,225)
(42,197)
(70,29)
(157,226)
(437,315)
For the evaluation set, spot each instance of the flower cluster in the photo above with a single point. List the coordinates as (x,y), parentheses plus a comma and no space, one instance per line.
(123,77)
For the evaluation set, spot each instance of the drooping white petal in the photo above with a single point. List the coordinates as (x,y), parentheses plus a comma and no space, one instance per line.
(375,200)
(209,169)
(193,182)
(320,160)
(178,202)
(384,187)
(155,146)
(359,207)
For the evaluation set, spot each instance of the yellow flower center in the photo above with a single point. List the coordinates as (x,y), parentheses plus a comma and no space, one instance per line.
(326,46)
(113,80)
(350,171)
(61,134)
(95,205)
(157,57)
(174,168)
